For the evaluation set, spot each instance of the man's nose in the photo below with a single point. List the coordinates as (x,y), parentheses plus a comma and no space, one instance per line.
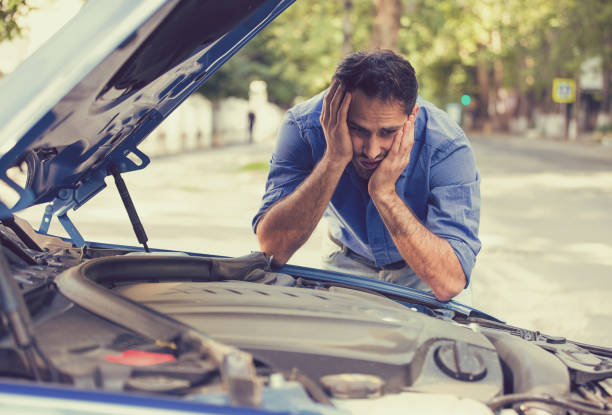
(371,147)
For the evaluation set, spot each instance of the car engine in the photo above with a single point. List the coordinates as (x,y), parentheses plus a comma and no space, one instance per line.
(331,345)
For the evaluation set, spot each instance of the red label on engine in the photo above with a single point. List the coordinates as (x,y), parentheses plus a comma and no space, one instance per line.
(140,358)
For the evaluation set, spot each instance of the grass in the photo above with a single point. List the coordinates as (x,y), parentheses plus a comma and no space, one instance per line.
(190,189)
(254,166)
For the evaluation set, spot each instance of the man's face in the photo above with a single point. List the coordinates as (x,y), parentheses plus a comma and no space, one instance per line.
(372,123)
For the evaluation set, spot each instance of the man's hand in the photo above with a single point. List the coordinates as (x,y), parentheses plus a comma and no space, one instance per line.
(382,182)
(288,224)
(333,120)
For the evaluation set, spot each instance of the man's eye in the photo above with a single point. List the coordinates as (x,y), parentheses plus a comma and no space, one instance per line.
(358,130)
(387,133)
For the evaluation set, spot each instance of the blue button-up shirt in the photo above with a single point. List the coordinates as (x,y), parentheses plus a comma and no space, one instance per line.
(440,184)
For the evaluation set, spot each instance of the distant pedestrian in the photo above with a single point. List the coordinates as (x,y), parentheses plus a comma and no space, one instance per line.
(251,125)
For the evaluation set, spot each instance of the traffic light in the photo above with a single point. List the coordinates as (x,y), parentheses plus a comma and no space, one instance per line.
(466,99)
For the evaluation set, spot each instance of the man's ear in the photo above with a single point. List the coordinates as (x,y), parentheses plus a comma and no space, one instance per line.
(415,110)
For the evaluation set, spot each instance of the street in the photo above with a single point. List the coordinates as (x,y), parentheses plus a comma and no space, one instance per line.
(546,227)
(546,224)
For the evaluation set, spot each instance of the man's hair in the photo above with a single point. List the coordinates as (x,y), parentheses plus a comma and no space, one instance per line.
(380,74)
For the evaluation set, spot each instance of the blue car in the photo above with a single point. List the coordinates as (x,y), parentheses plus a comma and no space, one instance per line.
(92,328)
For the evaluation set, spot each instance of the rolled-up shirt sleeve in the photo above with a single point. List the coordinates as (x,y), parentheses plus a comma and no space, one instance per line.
(291,163)
(454,203)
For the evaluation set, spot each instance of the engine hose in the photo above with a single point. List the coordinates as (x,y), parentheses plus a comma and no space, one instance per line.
(515,398)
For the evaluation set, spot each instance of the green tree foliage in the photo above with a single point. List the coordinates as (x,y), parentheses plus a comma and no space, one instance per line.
(9,12)
(296,54)
(519,45)
(479,47)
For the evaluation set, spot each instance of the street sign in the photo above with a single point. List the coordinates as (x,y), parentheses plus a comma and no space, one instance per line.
(564,90)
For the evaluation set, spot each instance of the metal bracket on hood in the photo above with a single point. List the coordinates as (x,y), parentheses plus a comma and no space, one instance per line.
(73,198)
(66,223)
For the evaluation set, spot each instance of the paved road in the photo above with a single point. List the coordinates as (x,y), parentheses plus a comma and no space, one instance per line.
(546,229)
(546,262)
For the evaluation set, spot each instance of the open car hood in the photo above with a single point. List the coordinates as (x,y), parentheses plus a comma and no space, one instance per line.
(84,101)
(95,324)
(80,106)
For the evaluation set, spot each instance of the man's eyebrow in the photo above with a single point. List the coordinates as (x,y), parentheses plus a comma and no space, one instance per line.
(391,128)
(354,124)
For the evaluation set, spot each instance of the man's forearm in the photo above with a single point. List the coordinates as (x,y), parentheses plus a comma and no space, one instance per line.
(288,224)
(431,257)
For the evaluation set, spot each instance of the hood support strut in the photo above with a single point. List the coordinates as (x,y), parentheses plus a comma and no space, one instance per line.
(141,235)
(74,197)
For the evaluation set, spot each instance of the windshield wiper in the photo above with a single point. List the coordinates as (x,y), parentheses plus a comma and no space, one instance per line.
(531,335)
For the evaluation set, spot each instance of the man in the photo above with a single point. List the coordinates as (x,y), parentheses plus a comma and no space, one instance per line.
(394,176)
(251,116)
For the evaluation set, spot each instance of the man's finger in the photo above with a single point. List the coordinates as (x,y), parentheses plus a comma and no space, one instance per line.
(323,117)
(343,112)
(396,147)
(327,101)
(336,102)
(330,96)
(408,134)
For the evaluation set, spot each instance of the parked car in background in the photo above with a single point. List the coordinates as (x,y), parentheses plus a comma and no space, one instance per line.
(93,328)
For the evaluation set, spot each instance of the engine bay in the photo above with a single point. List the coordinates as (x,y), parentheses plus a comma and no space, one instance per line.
(194,326)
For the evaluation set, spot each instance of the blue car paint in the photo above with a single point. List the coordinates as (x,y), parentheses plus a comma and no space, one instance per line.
(406,296)
(105,130)
(77,172)
(290,399)
(406,293)
(67,193)
(29,93)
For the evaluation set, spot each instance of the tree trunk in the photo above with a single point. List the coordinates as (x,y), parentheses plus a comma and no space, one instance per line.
(530,107)
(577,108)
(605,91)
(483,80)
(386,24)
(501,117)
(567,110)
(216,128)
